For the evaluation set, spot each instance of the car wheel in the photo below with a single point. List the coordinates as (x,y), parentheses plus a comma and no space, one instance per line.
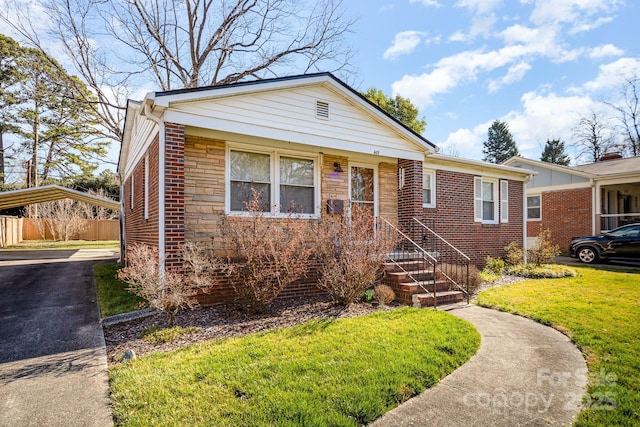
(588,255)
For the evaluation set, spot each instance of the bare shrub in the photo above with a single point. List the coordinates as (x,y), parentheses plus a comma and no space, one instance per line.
(350,254)
(173,290)
(383,294)
(61,218)
(543,251)
(266,254)
(458,273)
(514,254)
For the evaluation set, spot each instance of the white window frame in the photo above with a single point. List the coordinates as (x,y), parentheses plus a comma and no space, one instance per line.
(539,218)
(504,201)
(478,201)
(132,183)
(274,159)
(432,174)
(146,186)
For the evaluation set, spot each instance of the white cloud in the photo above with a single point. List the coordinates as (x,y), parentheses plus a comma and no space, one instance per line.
(428,3)
(573,11)
(515,74)
(466,142)
(604,51)
(465,66)
(542,116)
(588,25)
(479,6)
(403,44)
(481,25)
(611,76)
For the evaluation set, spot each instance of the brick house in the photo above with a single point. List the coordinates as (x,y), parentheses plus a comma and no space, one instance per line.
(190,155)
(581,200)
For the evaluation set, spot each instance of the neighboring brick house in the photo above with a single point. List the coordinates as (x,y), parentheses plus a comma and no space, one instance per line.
(581,200)
(189,156)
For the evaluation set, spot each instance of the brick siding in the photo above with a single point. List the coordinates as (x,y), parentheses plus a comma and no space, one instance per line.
(453,217)
(137,228)
(410,195)
(174,193)
(567,213)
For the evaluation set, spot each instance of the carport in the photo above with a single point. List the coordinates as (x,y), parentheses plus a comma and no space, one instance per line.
(49,193)
(46,193)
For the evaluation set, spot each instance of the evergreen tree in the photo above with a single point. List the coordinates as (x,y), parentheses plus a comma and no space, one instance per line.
(59,136)
(10,76)
(397,107)
(554,153)
(499,145)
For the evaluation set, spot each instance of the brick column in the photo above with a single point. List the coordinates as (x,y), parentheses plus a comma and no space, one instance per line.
(410,196)
(174,193)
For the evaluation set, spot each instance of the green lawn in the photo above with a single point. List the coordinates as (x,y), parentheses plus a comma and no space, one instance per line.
(600,311)
(113,296)
(71,244)
(344,372)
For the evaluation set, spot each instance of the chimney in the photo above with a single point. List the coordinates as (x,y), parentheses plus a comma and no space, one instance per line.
(613,155)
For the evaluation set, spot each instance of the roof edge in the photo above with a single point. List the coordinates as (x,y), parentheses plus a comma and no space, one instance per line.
(547,165)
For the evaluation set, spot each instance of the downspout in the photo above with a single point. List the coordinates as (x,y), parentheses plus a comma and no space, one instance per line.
(524,217)
(161,184)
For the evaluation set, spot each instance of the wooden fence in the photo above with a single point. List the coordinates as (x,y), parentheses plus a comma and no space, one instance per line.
(10,231)
(98,229)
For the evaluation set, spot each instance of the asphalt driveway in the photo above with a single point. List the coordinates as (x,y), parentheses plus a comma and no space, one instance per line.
(53,367)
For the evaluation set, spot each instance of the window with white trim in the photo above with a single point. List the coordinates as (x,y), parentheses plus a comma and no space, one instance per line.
(534,207)
(504,200)
(131,194)
(428,189)
(485,194)
(288,179)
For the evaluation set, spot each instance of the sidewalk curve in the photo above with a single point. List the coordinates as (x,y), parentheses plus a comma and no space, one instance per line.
(524,374)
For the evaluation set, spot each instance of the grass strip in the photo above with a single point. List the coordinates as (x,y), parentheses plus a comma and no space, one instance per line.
(344,372)
(113,296)
(600,311)
(70,244)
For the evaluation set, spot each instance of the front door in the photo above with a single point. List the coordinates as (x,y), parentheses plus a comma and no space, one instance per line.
(362,190)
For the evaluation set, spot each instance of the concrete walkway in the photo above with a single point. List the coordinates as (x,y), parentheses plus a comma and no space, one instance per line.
(524,374)
(53,364)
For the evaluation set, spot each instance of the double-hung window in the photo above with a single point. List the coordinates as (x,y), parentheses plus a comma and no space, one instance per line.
(428,189)
(485,200)
(488,201)
(297,189)
(283,182)
(534,207)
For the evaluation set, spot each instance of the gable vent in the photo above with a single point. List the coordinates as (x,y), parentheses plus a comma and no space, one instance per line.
(322,110)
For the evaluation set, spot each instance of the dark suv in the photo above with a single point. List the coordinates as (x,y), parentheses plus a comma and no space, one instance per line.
(623,242)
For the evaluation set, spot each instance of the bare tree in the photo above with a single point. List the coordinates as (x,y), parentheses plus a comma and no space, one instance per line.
(115,44)
(592,137)
(627,113)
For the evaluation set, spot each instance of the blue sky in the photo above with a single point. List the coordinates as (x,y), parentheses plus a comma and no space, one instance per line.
(536,64)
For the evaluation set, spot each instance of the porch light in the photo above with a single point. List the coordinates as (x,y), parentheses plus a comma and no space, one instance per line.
(337,167)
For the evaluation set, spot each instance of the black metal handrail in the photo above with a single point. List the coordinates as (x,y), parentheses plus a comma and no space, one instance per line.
(409,251)
(453,264)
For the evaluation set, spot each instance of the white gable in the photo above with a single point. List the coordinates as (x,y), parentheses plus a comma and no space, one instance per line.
(290,114)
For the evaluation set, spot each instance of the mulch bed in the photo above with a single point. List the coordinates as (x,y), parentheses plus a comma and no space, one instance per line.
(225,321)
